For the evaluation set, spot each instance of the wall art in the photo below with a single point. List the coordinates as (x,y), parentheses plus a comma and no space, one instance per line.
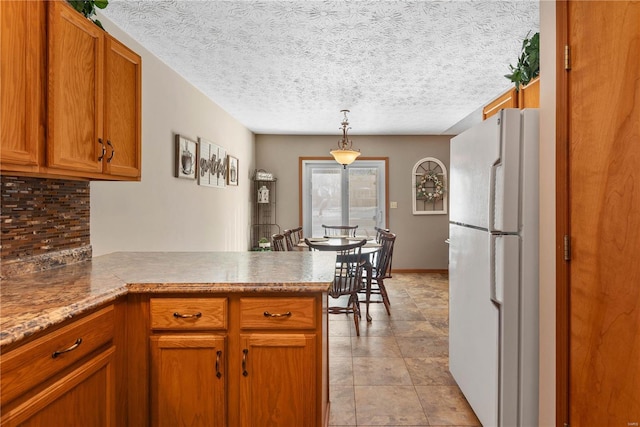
(186,158)
(429,185)
(212,164)
(232,170)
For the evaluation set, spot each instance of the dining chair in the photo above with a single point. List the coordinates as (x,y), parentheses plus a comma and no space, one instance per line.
(339,230)
(381,270)
(347,278)
(379,231)
(277,243)
(293,236)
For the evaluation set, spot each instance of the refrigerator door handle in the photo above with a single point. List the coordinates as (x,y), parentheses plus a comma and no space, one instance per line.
(492,196)
(495,283)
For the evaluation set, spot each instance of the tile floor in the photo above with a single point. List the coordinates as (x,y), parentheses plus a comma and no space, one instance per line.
(396,373)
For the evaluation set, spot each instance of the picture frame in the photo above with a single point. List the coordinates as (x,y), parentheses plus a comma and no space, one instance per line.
(186,165)
(232,170)
(212,164)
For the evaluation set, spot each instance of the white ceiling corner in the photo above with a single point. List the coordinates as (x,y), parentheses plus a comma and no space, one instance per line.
(289,67)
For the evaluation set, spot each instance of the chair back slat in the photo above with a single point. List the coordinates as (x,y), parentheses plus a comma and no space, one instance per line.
(382,263)
(348,266)
(293,236)
(277,243)
(339,230)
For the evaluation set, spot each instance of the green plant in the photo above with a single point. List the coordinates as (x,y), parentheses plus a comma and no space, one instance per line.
(88,8)
(263,240)
(528,66)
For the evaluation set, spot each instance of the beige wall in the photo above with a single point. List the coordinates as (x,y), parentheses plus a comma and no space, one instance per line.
(420,243)
(163,213)
(547,213)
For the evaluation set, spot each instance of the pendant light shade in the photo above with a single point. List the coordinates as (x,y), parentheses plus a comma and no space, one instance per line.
(345,155)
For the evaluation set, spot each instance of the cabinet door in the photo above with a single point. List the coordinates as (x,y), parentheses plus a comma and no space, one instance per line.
(75,84)
(22,56)
(278,380)
(122,110)
(84,397)
(188,380)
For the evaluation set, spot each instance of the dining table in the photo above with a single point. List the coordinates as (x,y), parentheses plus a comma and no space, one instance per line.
(369,248)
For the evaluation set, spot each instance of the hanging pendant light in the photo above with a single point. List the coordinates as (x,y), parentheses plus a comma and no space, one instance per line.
(344,154)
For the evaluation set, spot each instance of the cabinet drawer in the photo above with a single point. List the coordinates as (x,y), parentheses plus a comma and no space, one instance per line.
(38,360)
(188,313)
(277,313)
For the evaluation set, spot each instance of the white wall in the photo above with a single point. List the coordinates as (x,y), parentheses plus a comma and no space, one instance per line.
(420,243)
(163,213)
(547,213)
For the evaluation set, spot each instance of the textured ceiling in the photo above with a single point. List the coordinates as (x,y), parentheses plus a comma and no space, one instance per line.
(401,67)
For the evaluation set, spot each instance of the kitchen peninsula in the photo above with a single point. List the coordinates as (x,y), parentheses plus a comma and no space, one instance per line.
(226,338)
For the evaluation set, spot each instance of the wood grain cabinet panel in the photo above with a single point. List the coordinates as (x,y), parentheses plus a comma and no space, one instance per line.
(64,378)
(188,313)
(509,99)
(66,78)
(278,383)
(122,110)
(277,313)
(188,380)
(22,53)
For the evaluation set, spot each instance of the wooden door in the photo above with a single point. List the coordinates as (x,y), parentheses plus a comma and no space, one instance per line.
(604,213)
(84,397)
(22,53)
(122,110)
(75,88)
(188,380)
(277,383)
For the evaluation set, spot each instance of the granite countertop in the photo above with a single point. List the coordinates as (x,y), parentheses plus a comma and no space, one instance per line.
(36,301)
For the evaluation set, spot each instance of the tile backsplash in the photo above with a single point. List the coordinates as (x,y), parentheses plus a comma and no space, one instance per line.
(44,222)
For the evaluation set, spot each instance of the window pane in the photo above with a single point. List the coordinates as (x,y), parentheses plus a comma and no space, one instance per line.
(326,200)
(363,200)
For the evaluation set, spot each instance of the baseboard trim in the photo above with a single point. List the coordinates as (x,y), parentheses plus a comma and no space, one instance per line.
(420,270)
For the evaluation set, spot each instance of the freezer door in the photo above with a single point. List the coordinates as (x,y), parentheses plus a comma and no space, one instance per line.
(485,174)
(474,321)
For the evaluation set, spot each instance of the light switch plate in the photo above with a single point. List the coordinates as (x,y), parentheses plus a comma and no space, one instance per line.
(393,205)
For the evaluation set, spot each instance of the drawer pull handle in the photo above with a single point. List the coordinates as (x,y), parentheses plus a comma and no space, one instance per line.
(244,362)
(66,350)
(218,355)
(187,316)
(267,314)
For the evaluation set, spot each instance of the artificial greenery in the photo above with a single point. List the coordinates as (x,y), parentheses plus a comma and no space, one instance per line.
(528,66)
(88,8)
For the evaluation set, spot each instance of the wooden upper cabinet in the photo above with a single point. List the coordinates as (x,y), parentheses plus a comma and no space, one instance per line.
(22,113)
(509,99)
(62,70)
(527,97)
(122,110)
(75,103)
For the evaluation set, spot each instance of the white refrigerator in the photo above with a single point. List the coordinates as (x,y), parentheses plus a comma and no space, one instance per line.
(493,267)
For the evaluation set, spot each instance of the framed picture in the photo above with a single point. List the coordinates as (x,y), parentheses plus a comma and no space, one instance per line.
(186,158)
(212,164)
(232,170)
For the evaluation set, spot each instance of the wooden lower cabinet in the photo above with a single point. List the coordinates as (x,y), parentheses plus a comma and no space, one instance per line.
(188,380)
(237,361)
(84,397)
(278,383)
(66,377)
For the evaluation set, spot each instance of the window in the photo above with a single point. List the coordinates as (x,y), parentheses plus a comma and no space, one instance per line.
(333,195)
